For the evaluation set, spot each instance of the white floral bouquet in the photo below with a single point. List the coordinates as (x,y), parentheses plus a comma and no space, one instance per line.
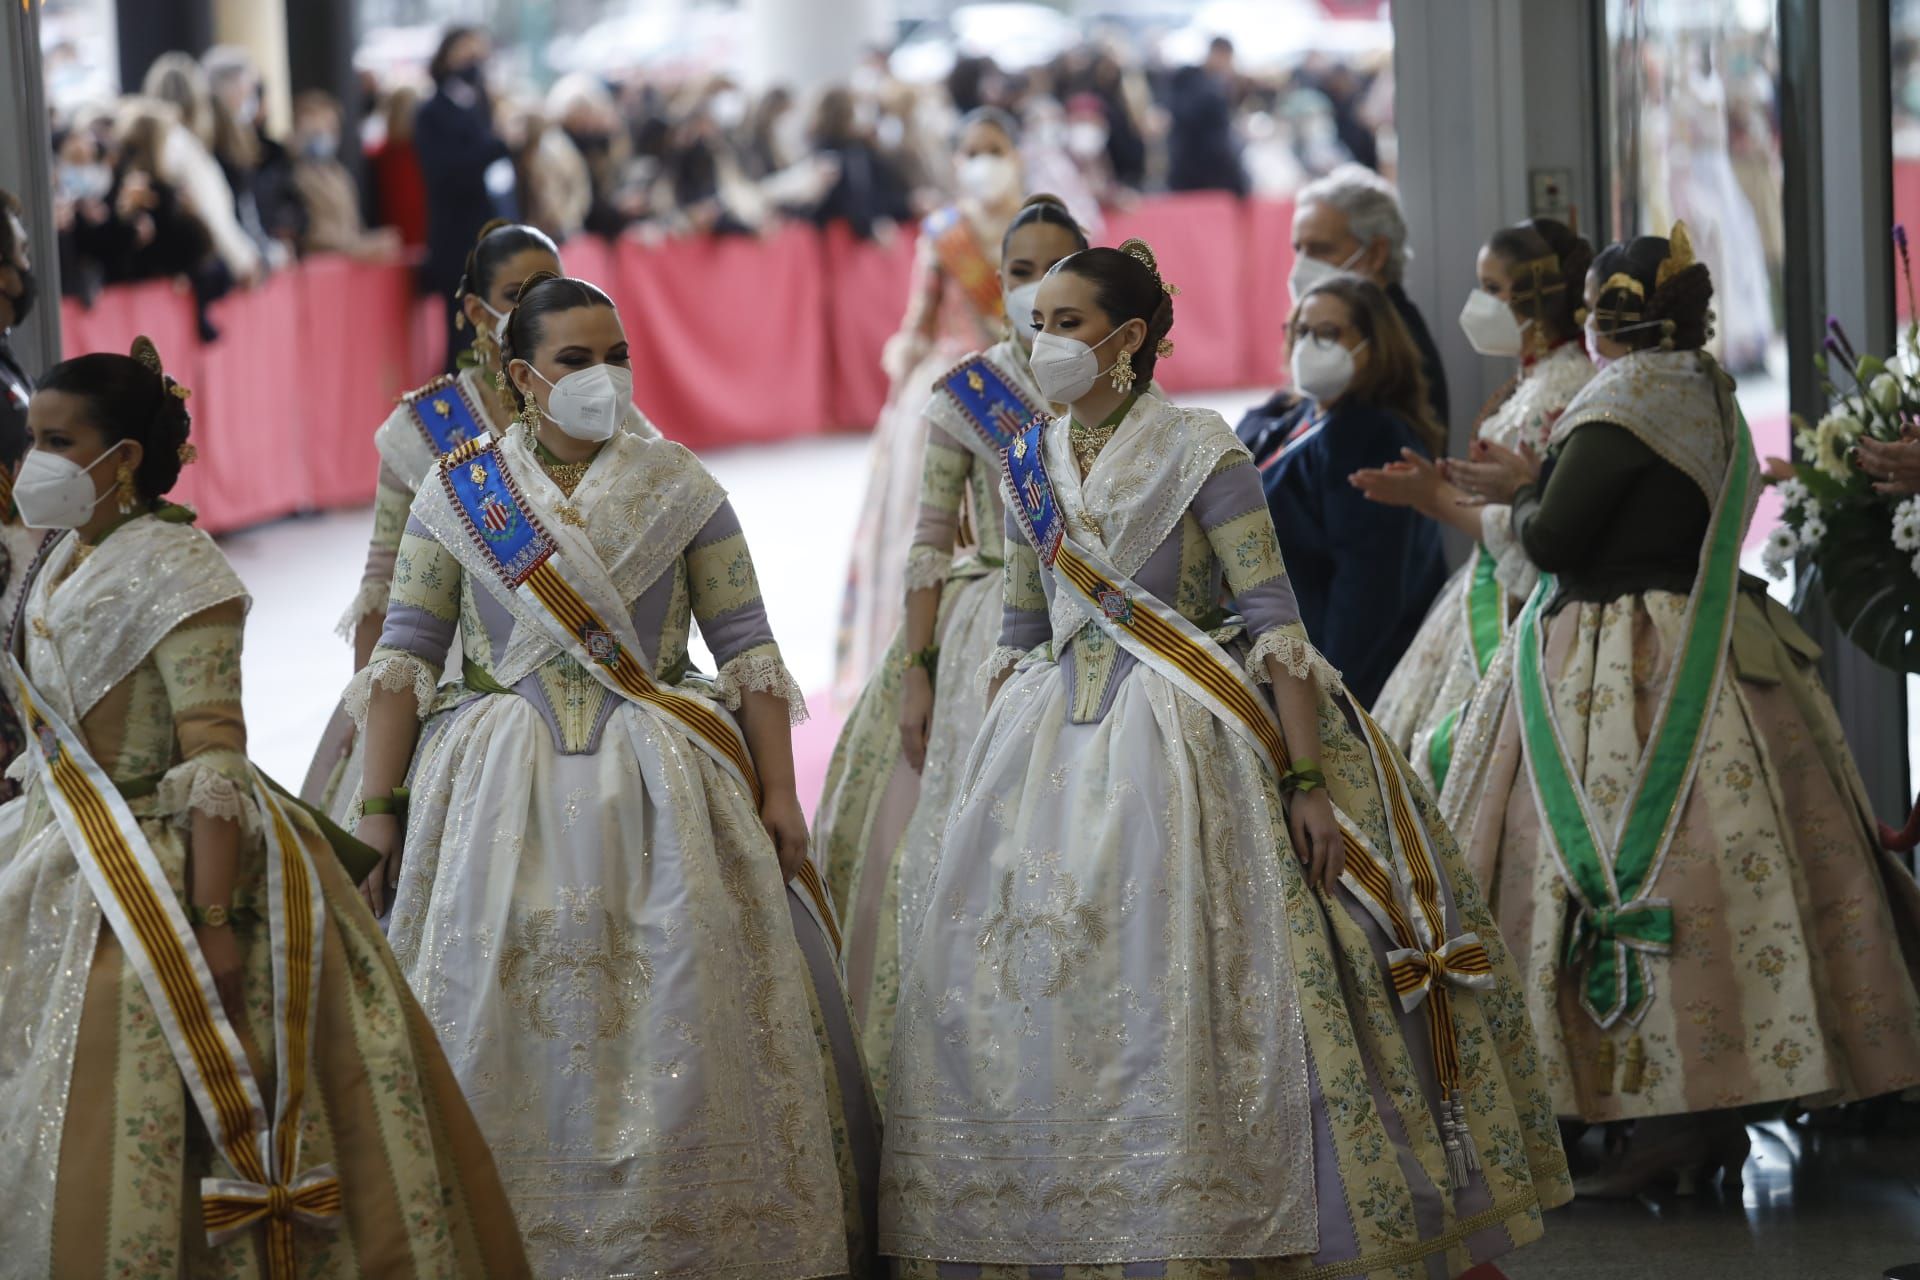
(1864,545)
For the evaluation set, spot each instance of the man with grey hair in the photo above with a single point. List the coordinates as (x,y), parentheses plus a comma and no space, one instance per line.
(1350,220)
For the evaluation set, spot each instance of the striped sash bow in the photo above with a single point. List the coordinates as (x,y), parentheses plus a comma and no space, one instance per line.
(159,945)
(230,1207)
(514,545)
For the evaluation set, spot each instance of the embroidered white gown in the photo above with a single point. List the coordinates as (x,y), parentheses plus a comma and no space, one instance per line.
(592,913)
(1128,1031)
(407,456)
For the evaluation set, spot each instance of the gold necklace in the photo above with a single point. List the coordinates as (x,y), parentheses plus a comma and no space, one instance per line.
(1087,443)
(567,475)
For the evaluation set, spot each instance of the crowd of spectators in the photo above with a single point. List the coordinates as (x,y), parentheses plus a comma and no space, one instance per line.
(184,179)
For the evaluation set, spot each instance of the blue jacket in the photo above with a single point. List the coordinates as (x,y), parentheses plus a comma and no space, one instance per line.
(1365,574)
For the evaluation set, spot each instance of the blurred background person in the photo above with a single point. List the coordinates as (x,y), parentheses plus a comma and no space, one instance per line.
(400,189)
(1351,220)
(257,167)
(466,166)
(329,196)
(182,155)
(555,185)
(867,194)
(1203,149)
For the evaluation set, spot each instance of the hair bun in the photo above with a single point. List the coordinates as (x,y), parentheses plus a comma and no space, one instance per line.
(1044,197)
(531,282)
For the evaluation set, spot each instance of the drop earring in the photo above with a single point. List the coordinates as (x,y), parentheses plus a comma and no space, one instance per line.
(123,484)
(1122,373)
(530,421)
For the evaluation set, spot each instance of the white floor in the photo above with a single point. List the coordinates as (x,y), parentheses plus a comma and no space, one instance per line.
(798,503)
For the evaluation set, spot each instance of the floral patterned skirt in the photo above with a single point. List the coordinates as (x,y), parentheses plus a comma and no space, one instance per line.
(879,824)
(1786,977)
(422,1196)
(1177,1051)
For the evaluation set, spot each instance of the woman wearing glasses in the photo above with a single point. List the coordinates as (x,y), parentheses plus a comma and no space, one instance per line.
(1364,574)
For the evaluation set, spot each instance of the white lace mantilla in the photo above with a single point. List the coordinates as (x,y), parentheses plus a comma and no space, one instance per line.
(1141,485)
(761,672)
(87,634)
(643,501)
(1675,402)
(1542,395)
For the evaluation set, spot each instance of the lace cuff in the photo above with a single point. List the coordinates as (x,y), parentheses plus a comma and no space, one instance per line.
(371,598)
(761,671)
(928,567)
(208,784)
(998,663)
(394,671)
(1294,652)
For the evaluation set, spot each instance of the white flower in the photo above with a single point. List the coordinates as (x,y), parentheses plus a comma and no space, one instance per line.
(1782,545)
(1885,393)
(1832,440)
(1906,525)
(1793,493)
(1813,529)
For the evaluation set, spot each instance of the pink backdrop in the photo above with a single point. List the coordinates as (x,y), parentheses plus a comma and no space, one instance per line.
(735,341)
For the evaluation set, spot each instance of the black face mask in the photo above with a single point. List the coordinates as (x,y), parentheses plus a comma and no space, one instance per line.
(471,75)
(23,300)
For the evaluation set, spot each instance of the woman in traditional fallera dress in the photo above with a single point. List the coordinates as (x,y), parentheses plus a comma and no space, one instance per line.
(955,308)
(591,901)
(180,953)
(1651,782)
(429,421)
(1179,1042)
(900,754)
(1532,282)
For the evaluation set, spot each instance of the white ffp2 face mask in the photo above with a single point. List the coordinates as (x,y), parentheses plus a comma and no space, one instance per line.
(1323,372)
(53,492)
(589,404)
(1065,368)
(989,178)
(1490,327)
(1307,272)
(1019,302)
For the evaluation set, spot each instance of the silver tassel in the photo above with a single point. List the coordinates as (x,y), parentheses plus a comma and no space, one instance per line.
(1463,1157)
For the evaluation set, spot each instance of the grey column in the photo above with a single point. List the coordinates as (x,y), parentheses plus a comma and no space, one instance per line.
(25,161)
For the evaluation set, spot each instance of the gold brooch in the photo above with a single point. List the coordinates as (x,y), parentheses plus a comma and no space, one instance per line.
(974,380)
(570,515)
(442,408)
(477,473)
(41,629)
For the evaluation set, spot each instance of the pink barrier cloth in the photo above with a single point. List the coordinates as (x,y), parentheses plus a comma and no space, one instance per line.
(735,341)
(866,294)
(728,344)
(1198,242)
(1264,298)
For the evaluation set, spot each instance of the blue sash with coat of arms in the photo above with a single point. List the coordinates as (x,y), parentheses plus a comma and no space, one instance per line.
(1033,503)
(446,414)
(992,406)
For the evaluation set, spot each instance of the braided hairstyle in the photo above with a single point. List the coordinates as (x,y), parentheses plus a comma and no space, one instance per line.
(1548,261)
(498,240)
(1127,286)
(130,398)
(1048,209)
(1637,309)
(543,296)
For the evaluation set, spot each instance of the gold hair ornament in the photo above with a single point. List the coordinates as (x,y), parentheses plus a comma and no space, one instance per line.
(146,353)
(1679,256)
(1142,252)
